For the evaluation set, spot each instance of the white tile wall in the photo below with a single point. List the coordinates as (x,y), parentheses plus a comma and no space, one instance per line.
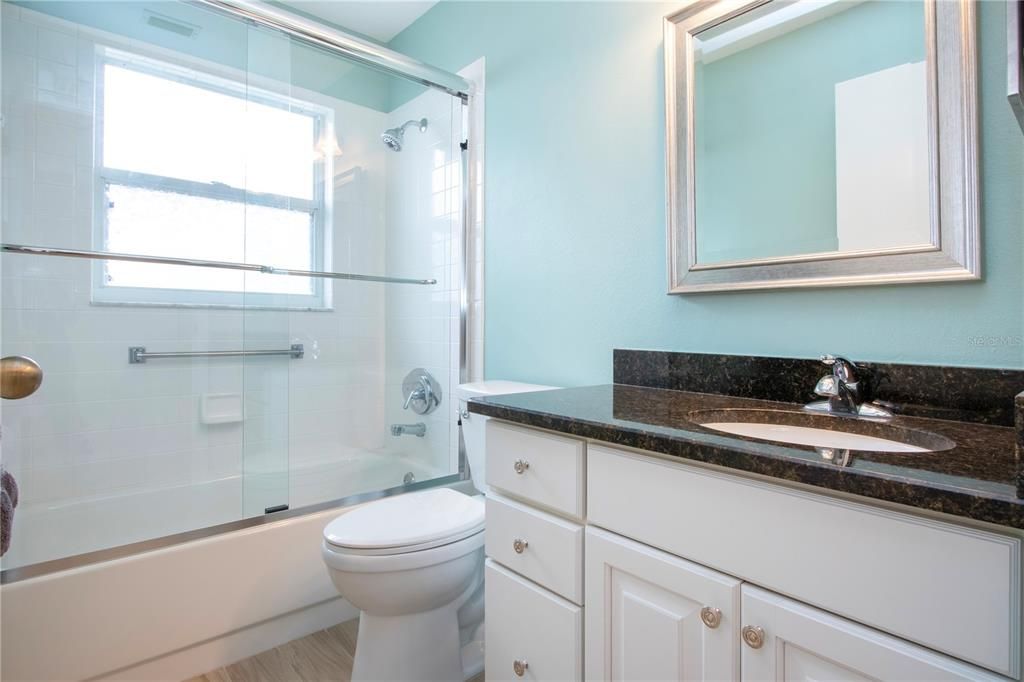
(121,447)
(424,217)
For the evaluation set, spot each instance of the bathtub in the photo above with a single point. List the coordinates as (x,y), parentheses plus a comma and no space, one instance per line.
(49,531)
(176,610)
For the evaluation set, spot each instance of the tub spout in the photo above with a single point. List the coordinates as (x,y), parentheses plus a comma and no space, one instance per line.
(419,429)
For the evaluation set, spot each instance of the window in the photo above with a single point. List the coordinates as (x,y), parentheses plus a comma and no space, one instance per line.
(195,166)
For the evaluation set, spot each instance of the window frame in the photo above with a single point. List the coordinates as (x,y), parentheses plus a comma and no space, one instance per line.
(318,207)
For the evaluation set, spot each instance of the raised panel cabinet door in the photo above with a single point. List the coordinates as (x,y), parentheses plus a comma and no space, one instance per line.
(786,640)
(653,616)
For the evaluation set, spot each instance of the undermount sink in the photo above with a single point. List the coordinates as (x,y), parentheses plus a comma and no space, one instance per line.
(821,431)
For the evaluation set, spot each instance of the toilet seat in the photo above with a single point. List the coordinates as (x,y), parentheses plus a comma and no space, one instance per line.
(413,523)
(344,559)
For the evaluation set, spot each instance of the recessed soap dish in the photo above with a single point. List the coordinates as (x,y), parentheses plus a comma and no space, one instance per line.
(221,408)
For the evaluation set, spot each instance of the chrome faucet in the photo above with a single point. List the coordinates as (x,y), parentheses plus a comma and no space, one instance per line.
(842,389)
(419,429)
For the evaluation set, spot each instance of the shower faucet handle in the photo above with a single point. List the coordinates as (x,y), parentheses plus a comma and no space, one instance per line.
(422,392)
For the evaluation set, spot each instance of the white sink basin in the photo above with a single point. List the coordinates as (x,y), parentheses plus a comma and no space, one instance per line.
(805,435)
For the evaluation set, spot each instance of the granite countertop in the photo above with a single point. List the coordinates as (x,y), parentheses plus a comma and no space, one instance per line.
(976,478)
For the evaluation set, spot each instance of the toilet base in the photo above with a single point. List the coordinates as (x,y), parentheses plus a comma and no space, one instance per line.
(473,655)
(418,646)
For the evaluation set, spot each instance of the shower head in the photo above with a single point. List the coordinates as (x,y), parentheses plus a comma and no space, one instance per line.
(393,137)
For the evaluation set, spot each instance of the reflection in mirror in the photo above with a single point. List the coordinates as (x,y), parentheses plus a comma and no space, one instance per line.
(811,131)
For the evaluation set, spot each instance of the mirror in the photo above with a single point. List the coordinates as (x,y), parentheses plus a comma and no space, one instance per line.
(821,143)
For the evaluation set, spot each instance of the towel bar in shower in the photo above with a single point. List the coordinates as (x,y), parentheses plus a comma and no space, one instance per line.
(139,354)
(164,260)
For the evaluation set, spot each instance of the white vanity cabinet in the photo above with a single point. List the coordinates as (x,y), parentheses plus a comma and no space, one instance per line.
(609,564)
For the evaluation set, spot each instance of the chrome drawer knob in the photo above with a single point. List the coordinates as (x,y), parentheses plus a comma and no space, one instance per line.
(521,466)
(520,545)
(711,617)
(753,636)
(519,667)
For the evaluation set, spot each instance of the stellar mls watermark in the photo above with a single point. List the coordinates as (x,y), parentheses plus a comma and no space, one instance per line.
(996,341)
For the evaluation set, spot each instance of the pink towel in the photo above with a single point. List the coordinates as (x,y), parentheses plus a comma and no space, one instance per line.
(8,501)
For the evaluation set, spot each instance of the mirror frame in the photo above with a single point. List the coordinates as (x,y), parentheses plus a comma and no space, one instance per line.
(954,252)
(1015,58)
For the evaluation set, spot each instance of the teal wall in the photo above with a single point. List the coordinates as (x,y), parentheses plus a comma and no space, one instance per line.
(764,195)
(575,205)
(231,42)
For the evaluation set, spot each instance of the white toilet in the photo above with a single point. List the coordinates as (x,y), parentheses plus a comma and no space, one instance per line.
(413,564)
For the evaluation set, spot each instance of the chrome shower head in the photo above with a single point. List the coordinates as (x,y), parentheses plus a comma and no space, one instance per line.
(393,137)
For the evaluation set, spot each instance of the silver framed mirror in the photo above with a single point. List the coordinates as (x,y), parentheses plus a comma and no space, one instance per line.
(816,143)
(1015,58)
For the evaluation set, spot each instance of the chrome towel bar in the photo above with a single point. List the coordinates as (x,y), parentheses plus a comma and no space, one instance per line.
(162,260)
(138,354)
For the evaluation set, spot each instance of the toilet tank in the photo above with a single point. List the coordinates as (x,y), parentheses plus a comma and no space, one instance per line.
(473,424)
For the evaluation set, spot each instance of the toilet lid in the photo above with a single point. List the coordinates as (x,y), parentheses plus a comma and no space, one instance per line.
(409,519)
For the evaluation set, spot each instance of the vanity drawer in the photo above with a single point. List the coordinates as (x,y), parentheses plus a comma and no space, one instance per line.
(947,587)
(526,623)
(536,466)
(544,548)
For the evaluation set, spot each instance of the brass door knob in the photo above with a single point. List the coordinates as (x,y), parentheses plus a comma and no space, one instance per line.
(520,545)
(519,667)
(19,377)
(753,636)
(711,617)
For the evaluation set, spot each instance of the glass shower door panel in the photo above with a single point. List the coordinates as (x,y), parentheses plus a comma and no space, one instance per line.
(109,452)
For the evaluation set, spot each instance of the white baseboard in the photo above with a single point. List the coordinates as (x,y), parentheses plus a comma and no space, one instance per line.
(235,646)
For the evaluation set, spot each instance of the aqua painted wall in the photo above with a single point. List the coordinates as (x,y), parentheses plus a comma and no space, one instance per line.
(228,41)
(787,204)
(575,210)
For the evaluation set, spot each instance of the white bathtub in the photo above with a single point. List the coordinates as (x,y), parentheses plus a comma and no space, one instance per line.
(54,530)
(184,609)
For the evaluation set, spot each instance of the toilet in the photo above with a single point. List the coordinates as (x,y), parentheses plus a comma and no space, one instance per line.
(413,565)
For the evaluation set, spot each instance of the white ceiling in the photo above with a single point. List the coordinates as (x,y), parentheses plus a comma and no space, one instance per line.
(380,19)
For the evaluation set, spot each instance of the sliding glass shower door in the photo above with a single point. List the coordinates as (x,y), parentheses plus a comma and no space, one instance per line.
(223,271)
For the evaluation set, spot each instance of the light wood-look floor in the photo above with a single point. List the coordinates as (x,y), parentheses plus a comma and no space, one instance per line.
(324,656)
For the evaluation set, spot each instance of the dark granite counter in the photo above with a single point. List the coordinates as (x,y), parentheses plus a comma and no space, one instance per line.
(976,477)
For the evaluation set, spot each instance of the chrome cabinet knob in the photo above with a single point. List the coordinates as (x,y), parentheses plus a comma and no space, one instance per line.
(753,636)
(519,667)
(711,617)
(520,545)
(521,466)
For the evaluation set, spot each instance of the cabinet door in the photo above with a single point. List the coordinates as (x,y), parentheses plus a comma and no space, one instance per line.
(798,642)
(644,616)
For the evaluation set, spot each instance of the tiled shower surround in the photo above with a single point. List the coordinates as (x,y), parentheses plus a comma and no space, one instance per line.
(108,453)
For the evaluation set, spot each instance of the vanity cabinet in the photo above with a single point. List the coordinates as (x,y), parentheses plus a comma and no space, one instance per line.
(609,564)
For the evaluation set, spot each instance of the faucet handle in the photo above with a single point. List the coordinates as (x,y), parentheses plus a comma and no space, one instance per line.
(827,386)
(843,369)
